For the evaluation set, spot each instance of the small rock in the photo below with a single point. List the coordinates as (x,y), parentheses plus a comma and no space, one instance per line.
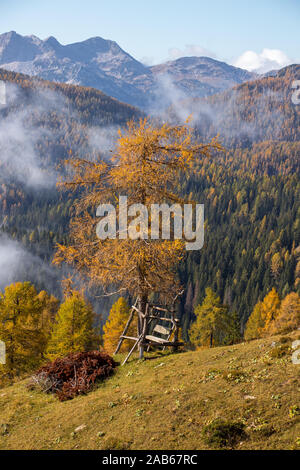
(80,428)
(159,365)
(4,429)
(249,397)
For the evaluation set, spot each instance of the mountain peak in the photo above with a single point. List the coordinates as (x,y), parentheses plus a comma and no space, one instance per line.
(14,47)
(52,41)
(6,38)
(10,34)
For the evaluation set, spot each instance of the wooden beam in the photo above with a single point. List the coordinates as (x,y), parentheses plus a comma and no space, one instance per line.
(165,343)
(125,329)
(138,311)
(154,317)
(131,350)
(160,308)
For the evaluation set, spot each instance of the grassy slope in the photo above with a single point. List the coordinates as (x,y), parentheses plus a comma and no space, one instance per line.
(164,403)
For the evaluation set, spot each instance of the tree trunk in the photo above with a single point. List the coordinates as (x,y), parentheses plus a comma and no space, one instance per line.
(211,340)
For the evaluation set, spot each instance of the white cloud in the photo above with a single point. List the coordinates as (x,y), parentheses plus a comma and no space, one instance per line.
(268,59)
(190,50)
(147,60)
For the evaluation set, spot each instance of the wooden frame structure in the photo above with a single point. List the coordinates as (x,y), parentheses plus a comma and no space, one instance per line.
(155,328)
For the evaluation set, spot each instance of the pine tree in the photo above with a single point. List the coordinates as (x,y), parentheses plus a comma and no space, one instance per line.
(188,306)
(232,332)
(196,294)
(20,315)
(73,329)
(115,325)
(210,324)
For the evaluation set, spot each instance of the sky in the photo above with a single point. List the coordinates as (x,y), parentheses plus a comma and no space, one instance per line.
(253,34)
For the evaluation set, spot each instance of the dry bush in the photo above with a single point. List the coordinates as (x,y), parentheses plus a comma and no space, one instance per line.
(74,374)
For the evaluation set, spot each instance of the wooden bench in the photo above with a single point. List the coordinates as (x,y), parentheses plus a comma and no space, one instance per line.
(161,330)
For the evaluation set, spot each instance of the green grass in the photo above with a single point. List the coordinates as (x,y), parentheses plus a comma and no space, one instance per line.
(167,403)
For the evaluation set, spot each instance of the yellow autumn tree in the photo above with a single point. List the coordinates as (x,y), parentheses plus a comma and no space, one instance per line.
(276,265)
(270,310)
(263,316)
(146,166)
(114,326)
(73,330)
(20,328)
(50,306)
(255,323)
(288,318)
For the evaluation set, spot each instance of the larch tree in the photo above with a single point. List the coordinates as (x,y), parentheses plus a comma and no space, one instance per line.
(270,311)
(255,323)
(50,306)
(264,314)
(276,265)
(146,166)
(20,329)
(115,324)
(73,329)
(211,321)
(288,318)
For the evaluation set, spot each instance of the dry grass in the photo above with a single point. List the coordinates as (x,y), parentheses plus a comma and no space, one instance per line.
(165,403)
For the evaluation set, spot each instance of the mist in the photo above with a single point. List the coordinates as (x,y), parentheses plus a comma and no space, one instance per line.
(21,134)
(224,116)
(18,265)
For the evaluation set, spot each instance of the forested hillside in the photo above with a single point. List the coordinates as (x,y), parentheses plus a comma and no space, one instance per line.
(251,192)
(41,125)
(260,110)
(251,195)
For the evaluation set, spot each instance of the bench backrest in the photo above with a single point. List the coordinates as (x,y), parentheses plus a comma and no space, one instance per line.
(161,330)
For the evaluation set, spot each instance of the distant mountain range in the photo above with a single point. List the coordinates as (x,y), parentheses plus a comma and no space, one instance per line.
(102,64)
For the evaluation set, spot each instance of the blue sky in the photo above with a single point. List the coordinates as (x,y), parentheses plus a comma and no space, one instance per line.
(154,30)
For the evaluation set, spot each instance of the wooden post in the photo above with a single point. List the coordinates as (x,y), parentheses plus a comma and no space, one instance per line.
(143,308)
(176,333)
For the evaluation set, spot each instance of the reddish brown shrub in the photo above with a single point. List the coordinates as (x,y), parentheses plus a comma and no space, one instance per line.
(74,374)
